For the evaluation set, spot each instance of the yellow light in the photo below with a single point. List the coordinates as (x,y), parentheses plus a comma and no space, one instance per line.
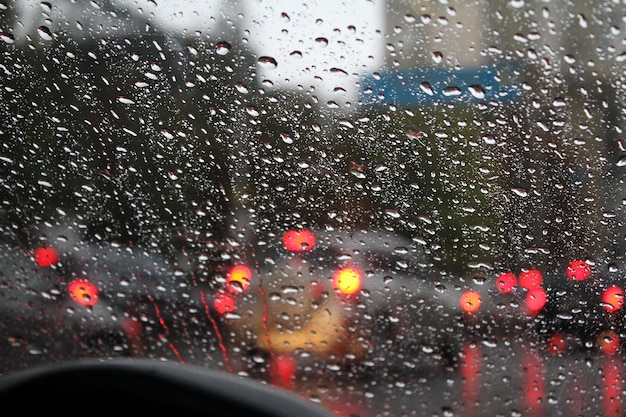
(239,278)
(348,280)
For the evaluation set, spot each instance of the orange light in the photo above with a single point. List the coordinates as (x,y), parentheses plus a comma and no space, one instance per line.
(83,292)
(578,270)
(530,279)
(470,301)
(506,282)
(347,280)
(239,278)
(613,299)
(536,299)
(224,303)
(301,240)
(46,256)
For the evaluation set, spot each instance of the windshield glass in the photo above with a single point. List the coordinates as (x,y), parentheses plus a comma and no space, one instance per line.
(389,207)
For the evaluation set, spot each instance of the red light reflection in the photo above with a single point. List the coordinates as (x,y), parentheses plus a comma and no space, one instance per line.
(470,369)
(224,303)
(83,292)
(533,383)
(613,372)
(283,371)
(557,344)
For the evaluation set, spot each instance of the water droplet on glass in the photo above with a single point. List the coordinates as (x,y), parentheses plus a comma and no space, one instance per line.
(285,17)
(44,33)
(45,6)
(241,88)
(392,213)
(582,21)
(477,91)
(622,162)
(437,57)
(451,91)
(125,100)
(321,41)
(296,54)
(252,111)
(286,138)
(267,62)
(338,71)
(427,88)
(520,192)
(222,48)
(7,37)
(517,3)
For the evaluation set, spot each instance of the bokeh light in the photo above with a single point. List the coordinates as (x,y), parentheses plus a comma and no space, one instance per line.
(83,292)
(347,280)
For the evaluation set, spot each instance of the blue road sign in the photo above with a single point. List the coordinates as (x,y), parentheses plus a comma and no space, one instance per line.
(429,86)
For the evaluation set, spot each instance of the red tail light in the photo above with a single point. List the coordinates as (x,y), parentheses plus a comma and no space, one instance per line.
(536,299)
(46,256)
(506,282)
(239,278)
(531,279)
(83,292)
(613,299)
(348,280)
(578,270)
(299,240)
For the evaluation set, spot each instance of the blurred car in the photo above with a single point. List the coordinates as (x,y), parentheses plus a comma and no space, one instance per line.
(84,299)
(346,297)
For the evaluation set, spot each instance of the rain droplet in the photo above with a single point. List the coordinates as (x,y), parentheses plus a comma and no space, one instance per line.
(517,3)
(296,54)
(285,17)
(477,91)
(252,111)
(392,213)
(427,88)
(241,88)
(267,62)
(520,192)
(582,21)
(286,138)
(7,37)
(321,41)
(622,162)
(437,57)
(451,91)
(222,48)
(338,71)
(45,6)
(125,100)
(44,33)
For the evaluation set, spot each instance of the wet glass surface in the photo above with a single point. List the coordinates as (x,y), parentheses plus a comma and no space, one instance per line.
(391,208)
